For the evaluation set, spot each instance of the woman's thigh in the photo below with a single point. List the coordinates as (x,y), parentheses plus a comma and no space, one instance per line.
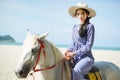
(84,65)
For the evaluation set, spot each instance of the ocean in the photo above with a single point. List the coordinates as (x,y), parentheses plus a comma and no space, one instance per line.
(65,46)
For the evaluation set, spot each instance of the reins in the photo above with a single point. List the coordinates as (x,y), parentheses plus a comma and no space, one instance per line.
(38,58)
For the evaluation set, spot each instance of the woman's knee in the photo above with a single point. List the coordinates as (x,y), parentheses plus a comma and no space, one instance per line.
(77,69)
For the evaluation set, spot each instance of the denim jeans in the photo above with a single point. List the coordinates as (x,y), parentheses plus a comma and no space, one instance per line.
(82,67)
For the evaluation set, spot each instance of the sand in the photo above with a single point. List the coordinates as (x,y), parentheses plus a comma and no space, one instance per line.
(10,56)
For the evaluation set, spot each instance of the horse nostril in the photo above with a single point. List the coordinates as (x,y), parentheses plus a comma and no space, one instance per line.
(21,72)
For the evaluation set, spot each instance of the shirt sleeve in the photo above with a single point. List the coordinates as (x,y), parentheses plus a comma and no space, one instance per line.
(90,39)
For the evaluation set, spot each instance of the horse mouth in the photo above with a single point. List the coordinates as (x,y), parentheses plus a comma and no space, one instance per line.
(21,74)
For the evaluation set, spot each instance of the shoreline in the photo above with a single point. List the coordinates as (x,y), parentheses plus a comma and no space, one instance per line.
(64,46)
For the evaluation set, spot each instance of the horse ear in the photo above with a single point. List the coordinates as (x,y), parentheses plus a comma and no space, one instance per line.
(43,35)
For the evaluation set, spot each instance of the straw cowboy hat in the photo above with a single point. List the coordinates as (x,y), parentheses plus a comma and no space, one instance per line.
(72,10)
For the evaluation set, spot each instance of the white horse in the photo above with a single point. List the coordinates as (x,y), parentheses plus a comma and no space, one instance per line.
(37,51)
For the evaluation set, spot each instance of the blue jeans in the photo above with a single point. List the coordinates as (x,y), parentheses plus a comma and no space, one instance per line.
(82,67)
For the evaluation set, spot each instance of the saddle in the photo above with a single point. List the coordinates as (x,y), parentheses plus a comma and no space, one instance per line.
(93,74)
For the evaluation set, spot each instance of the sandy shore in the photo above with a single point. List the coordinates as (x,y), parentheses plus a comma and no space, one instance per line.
(10,55)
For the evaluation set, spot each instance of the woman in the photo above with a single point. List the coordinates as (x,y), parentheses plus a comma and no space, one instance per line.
(83,37)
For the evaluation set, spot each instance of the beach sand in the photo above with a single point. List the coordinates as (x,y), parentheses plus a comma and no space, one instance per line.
(10,56)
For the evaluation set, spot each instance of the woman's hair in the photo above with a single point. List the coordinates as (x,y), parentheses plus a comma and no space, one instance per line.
(83,29)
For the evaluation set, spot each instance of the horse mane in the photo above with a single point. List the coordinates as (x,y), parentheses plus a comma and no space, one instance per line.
(58,54)
(59,58)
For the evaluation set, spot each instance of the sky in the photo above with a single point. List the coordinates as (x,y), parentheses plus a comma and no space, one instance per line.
(40,16)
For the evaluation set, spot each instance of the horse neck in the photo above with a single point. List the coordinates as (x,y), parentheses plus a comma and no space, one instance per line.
(54,57)
(53,54)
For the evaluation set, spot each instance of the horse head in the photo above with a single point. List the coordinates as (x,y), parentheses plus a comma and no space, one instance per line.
(31,49)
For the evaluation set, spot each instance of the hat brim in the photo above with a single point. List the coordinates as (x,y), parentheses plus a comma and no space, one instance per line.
(71,11)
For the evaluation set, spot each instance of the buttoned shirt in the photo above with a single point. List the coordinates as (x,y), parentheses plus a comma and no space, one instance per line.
(82,46)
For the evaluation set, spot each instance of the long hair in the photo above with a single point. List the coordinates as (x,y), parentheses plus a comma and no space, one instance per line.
(83,29)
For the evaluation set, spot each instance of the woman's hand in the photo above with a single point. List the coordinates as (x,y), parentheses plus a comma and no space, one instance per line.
(69,55)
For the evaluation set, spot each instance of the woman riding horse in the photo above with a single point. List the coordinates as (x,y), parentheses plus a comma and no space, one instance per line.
(83,37)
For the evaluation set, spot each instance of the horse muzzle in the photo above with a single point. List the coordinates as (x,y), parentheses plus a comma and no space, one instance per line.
(21,73)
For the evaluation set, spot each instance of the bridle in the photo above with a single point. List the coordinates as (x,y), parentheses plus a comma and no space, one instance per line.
(38,58)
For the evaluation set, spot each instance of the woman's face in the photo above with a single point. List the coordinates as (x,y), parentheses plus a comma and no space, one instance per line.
(81,15)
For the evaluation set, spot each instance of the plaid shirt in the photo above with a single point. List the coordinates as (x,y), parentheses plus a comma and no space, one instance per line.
(82,46)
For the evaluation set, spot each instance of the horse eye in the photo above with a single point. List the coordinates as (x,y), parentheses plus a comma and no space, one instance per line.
(34,50)
(78,14)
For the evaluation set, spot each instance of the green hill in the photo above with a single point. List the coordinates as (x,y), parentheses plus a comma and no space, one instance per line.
(6,38)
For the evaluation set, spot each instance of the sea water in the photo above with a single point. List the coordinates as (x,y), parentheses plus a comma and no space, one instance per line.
(65,46)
